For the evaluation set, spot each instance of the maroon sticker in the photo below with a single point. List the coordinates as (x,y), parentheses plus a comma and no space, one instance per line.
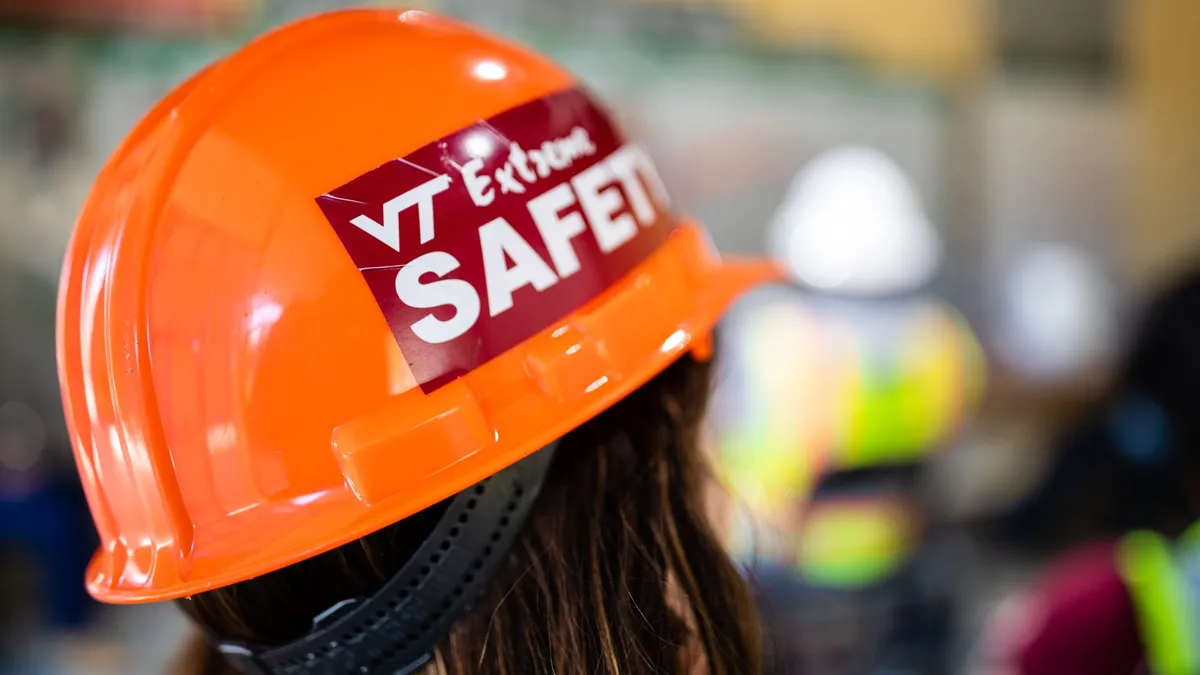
(477,241)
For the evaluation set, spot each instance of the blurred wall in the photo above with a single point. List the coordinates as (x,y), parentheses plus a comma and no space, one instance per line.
(729,162)
(1055,166)
(940,36)
(1163,54)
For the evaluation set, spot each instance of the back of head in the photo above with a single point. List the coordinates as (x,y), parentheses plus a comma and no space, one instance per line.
(616,571)
(1163,360)
(1154,417)
(381,344)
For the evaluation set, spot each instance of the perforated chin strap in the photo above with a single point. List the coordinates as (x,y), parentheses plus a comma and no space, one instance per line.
(395,631)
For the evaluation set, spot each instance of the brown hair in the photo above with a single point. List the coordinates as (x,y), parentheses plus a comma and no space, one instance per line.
(617,569)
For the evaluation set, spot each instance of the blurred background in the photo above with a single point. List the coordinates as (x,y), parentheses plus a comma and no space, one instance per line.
(976,198)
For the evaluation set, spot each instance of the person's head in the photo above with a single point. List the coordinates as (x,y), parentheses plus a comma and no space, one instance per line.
(1154,412)
(444,416)
(1132,459)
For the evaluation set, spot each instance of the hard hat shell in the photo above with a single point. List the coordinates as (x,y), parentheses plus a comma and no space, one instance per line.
(245,371)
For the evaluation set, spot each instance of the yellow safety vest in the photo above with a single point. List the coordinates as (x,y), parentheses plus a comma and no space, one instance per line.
(1163,578)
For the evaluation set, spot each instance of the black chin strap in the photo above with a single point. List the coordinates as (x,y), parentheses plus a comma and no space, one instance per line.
(395,631)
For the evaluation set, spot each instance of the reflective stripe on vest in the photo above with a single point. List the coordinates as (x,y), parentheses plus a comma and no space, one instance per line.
(1164,583)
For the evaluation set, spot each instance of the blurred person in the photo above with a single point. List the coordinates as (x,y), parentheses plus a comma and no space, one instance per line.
(836,388)
(43,522)
(854,364)
(444,418)
(1128,601)
(872,591)
(1114,468)
(45,536)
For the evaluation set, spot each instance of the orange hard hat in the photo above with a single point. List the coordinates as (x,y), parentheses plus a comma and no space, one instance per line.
(345,273)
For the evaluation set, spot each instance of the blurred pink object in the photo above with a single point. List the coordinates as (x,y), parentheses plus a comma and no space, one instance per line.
(1078,619)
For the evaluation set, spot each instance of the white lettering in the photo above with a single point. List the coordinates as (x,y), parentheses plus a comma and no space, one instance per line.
(578,144)
(611,198)
(504,176)
(554,155)
(524,168)
(625,163)
(456,292)
(650,175)
(478,187)
(499,242)
(540,162)
(520,160)
(558,230)
(600,203)
(420,196)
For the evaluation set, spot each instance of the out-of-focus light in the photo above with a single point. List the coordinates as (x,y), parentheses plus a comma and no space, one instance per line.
(853,222)
(1057,312)
(479,145)
(263,315)
(490,70)
(223,436)
(674,342)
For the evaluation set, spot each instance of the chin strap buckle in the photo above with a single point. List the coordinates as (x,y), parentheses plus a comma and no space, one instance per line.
(242,659)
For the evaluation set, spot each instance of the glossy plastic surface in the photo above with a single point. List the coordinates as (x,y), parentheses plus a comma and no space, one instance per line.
(236,397)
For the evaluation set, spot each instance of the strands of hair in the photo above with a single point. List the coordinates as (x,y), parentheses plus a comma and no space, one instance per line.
(617,570)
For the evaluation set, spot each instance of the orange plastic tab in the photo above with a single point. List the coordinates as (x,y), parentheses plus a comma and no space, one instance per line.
(565,363)
(414,436)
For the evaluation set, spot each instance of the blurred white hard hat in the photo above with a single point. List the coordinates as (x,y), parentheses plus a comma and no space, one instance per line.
(853,223)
